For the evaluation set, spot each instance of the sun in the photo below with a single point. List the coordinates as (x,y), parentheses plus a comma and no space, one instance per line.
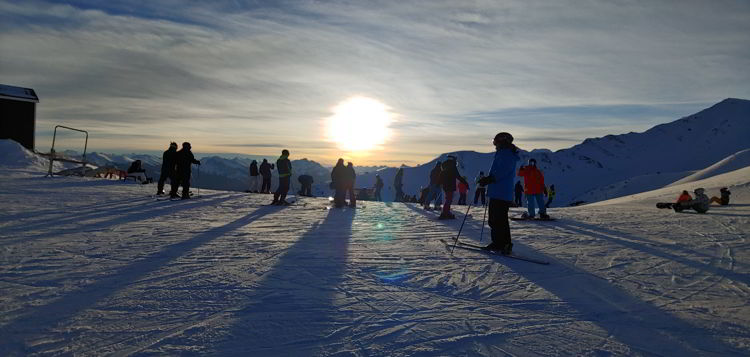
(359,124)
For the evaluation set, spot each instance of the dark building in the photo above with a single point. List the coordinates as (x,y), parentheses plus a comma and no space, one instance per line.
(18,114)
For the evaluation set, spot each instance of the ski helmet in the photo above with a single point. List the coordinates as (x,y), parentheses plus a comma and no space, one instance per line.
(503,137)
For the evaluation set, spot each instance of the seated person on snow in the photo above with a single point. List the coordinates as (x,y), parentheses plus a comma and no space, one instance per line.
(724,200)
(137,171)
(684,197)
(700,203)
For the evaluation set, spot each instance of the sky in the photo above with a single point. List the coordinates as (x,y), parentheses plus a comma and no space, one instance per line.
(255,77)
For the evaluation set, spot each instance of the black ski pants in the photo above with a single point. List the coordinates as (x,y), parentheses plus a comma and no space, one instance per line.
(339,198)
(281,191)
(479,193)
(182,179)
(306,189)
(266,186)
(498,221)
(165,174)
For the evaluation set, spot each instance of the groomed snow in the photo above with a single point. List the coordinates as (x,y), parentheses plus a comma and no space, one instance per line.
(95,267)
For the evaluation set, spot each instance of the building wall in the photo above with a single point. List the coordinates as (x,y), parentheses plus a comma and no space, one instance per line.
(17,121)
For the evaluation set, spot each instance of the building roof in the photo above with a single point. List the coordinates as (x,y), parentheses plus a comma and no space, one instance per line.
(18,93)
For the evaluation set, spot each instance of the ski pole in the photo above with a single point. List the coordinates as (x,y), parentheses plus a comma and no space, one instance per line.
(460,229)
(483,218)
(197,176)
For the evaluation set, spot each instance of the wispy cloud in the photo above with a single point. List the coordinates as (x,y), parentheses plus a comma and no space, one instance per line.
(262,72)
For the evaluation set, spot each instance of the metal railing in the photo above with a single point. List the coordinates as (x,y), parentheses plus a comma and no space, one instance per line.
(53,157)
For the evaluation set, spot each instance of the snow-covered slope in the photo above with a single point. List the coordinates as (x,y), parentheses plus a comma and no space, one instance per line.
(738,178)
(596,169)
(613,165)
(14,156)
(98,267)
(731,163)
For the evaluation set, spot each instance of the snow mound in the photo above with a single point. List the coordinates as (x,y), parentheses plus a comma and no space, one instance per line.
(731,163)
(15,156)
(733,180)
(631,186)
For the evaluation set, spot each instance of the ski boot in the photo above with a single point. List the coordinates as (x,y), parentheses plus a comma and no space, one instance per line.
(492,247)
(507,249)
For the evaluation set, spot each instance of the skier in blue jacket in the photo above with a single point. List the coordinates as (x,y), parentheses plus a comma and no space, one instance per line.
(500,191)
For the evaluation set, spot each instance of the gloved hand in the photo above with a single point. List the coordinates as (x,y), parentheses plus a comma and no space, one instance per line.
(199,162)
(484,181)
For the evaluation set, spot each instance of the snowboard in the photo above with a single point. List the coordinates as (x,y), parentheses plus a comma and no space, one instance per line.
(478,248)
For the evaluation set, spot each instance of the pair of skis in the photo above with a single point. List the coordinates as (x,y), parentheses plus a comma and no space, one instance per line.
(478,248)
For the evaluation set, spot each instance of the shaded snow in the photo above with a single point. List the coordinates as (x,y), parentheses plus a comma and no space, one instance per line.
(93,267)
(14,156)
(731,163)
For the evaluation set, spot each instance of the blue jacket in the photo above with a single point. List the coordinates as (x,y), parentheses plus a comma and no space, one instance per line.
(503,172)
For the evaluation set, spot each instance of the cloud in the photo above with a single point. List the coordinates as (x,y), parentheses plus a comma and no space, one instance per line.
(236,71)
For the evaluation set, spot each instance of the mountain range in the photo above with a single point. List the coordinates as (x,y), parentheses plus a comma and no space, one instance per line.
(594,170)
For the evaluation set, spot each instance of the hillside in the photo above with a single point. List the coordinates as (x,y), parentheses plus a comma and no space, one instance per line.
(731,163)
(596,169)
(599,168)
(98,267)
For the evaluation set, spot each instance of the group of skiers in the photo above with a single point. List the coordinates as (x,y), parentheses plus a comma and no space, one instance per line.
(700,203)
(342,181)
(443,181)
(177,165)
(260,176)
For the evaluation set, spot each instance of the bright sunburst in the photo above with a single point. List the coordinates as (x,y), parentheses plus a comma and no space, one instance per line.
(359,124)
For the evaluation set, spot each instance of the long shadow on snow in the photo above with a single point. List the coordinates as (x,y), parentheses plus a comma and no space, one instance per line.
(140,213)
(40,215)
(292,311)
(626,240)
(92,212)
(80,182)
(41,318)
(638,324)
(712,212)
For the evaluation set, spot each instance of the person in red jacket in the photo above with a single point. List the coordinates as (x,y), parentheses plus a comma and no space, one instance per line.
(463,189)
(533,182)
(684,197)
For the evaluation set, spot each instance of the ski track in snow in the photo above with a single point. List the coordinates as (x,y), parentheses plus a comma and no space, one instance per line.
(92,267)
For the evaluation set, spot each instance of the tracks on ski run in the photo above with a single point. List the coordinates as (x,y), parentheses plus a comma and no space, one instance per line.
(225,274)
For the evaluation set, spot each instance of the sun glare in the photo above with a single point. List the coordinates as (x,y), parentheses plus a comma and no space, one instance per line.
(359,124)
